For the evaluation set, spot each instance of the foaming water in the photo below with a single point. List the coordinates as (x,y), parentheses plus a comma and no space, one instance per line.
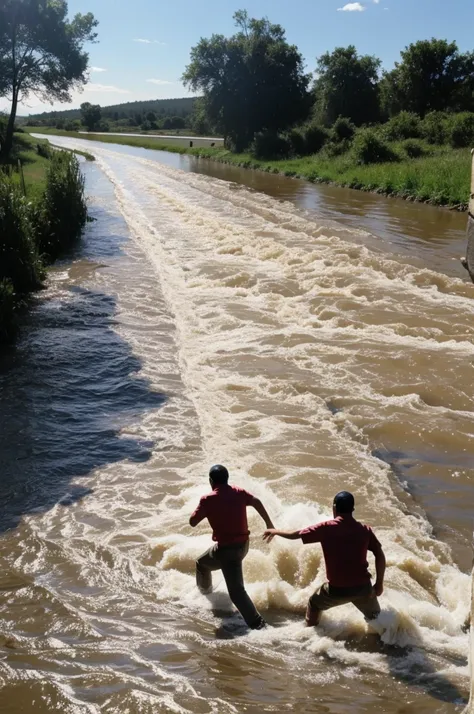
(235,328)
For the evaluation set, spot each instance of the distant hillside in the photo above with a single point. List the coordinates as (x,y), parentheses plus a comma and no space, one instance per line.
(162,107)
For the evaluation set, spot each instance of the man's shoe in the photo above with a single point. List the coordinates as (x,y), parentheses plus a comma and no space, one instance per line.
(259,624)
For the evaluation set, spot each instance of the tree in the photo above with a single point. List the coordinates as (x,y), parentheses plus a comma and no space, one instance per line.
(432,76)
(347,86)
(41,52)
(91,115)
(253,81)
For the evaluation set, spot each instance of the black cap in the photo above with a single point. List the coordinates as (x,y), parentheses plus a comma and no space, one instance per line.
(344,502)
(219,474)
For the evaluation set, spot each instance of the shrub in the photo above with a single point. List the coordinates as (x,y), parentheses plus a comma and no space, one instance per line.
(7,311)
(343,130)
(462,130)
(269,145)
(336,148)
(405,125)
(435,127)
(19,260)
(62,214)
(369,148)
(414,148)
(44,150)
(73,125)
(316,137)
(297,140)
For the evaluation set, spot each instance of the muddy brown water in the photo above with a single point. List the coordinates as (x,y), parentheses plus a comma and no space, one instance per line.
(311,338)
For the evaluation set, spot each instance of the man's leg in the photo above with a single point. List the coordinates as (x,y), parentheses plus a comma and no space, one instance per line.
(231,564)
(368,604)
(319,603)
(205,564)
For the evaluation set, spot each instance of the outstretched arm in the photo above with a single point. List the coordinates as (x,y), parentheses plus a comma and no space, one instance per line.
(262,511)
(380,565)
(272,532)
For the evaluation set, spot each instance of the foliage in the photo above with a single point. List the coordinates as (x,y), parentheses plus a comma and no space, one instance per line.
(41,51)
(405,125)
(436,127)
(343,130)
(91,115)
(462,130)
(44,150)
(19,261)
(432,76)
(63,211)
(370,148)
(7,311)
(346,86)
(174,123)
(74,125)
(414,148)
(270,145)
(263,88)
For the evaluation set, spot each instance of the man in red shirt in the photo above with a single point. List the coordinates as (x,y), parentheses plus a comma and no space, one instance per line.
(226,510)
(345,543)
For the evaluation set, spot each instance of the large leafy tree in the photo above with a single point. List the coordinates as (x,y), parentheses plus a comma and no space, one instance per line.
(432,76)
(91,115)
(253,81)
(347,86)
(41,52)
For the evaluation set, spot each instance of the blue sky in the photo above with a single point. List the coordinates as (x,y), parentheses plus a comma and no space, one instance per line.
(144,45)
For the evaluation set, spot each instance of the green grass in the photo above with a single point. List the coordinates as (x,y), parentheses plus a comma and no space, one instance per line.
(177,144)
(442,178)
(34,165)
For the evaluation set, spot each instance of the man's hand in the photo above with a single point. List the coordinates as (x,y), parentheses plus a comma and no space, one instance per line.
(378,589)
(269,535)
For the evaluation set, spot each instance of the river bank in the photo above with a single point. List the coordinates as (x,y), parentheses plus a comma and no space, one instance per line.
(42,212)
(440,179)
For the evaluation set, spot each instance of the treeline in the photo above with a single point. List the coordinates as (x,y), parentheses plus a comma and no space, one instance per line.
(34,232)
(265,100)
(145,116)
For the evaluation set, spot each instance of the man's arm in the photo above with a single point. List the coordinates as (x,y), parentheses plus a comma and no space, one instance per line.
(380,565)
(198,515)
(272,532)
(262,511)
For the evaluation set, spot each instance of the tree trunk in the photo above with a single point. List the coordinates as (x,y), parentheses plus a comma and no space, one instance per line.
(8,143)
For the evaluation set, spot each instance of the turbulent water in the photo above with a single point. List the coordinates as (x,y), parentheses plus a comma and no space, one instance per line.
(203,322)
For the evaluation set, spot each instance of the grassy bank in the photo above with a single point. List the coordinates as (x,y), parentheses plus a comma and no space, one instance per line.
(42,211)
(441,178)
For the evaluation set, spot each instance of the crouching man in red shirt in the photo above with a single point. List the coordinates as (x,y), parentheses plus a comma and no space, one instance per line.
(345,543)
(226,510)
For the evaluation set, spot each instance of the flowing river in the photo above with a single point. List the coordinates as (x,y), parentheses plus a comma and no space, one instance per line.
(311,339)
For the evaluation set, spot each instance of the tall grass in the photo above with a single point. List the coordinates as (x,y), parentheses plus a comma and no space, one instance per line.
(34,232)
(62,212)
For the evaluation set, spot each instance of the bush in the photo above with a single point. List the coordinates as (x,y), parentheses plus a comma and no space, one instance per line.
(435,127)
(405,125)
(297,140)
(73,125)
(336,148)
(19,260)
(44,150)
(270,145)
(370,148)
(343,130)
(316,136)
(7,311)
(62,214)
(462,130)
(414,149)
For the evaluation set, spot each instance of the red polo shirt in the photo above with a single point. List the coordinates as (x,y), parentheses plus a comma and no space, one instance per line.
(345,543)
(226,510)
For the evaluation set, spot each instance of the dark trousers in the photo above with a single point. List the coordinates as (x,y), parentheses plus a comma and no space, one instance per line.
(228,558)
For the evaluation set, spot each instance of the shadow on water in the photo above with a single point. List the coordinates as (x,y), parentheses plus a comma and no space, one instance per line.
(411,666)
(66,393)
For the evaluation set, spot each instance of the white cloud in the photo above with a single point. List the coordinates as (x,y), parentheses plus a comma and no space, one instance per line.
(149,42)
(159,81)
(352,7)
(106,88)
(377,2)
(98,69)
